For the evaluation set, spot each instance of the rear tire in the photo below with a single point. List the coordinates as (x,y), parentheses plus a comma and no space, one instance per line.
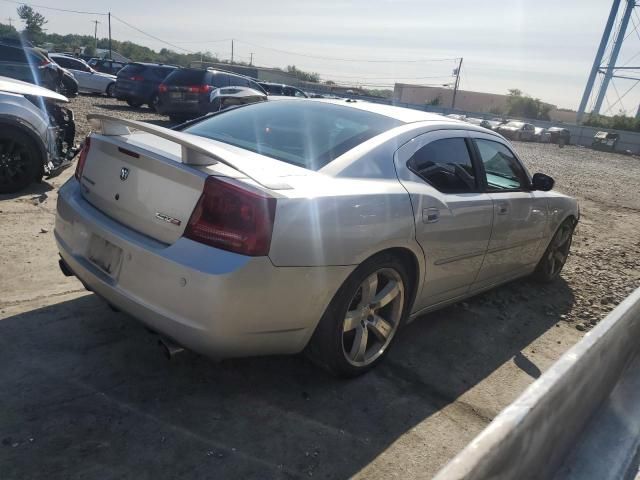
(359,325)
(134,103)
(109,90)
(20,160)
(153,103)
(555,256)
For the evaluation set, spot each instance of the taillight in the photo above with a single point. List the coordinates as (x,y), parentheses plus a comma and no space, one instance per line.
(137,78)
(162,88)
(44,62)
(82,157)
(199,89)
(233,218)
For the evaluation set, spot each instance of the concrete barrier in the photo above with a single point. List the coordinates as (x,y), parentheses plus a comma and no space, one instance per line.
(542,432)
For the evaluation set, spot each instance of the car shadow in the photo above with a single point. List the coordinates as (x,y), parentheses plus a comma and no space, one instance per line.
(86,389)
(37,190)
(122,107)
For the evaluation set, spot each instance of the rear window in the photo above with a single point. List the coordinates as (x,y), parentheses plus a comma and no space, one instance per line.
(183,77)
(307,134)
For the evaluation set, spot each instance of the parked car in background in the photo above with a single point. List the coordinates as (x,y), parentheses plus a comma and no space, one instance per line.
(89,80)
(187,92)
(515,130)
(455,116)
(280,89)
(539,134)
(605,141)
(138,83)
(106,65)
(558,135)
(36,134)
(299,224)
(479,121)
(30,65)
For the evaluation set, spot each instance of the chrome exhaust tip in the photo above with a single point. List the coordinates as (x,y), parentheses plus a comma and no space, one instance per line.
(169,347)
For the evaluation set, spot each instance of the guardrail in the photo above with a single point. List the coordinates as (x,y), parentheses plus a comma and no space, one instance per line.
(546,431)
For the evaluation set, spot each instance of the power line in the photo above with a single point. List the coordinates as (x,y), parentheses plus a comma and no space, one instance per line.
(318,57)
(149,35)
(55,8)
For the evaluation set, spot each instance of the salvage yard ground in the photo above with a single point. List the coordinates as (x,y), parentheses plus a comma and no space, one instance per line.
(86,392)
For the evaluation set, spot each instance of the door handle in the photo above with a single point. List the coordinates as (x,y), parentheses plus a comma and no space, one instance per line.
(503,208)
(430,215)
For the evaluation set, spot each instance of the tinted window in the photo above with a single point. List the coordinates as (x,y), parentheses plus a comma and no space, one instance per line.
(185,77)
(131,69)
(69,63)
(162,72)
(307,134)
(10,54)
(502,169)
(445,164)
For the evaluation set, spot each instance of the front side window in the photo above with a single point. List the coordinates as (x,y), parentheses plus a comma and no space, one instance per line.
(503,171)
(446,165)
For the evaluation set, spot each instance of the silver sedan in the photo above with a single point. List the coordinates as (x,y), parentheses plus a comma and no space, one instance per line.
(315,225)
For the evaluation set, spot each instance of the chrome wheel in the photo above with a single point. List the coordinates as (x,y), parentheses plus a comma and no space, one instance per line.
(373,317)
(558,250)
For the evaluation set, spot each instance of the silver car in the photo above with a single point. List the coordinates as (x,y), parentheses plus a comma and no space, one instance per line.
(302,224)
(89,80)
(36,134)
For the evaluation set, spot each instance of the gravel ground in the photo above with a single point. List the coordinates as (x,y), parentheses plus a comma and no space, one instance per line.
(87,394)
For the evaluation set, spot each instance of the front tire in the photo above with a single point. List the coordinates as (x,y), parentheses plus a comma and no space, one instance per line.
(154,102)
(20,160)
(110,89)
(360,323)
(555,256)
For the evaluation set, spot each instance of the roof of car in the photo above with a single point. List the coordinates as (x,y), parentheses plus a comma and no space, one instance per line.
(407,115)
(150,64)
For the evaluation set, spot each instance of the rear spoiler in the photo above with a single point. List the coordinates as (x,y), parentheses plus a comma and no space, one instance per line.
(195,151)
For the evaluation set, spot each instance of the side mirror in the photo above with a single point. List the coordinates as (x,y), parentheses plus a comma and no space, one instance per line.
(542,182)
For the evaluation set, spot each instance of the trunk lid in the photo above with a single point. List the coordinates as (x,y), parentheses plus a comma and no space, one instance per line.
(144,180)
(150,193)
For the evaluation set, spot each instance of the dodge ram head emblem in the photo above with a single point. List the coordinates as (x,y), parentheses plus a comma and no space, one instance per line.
(124,173)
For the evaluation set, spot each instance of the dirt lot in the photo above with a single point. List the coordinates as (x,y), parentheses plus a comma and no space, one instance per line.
(86,392)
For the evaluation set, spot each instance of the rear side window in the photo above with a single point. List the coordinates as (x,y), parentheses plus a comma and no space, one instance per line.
(307,134)
(10,54)
(446,165)
(502,169)
(131,69)
(185,77)
(218,79)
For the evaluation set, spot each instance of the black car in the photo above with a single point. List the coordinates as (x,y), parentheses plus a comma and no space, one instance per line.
(282,90)
(137,83)
(106,65)
(189,92)
(34,66)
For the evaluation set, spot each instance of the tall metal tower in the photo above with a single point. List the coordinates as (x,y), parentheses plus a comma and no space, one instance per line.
(609,69)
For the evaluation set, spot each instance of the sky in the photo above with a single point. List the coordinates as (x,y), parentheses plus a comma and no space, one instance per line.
(543,47)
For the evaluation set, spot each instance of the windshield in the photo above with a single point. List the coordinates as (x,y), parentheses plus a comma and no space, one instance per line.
(304,133)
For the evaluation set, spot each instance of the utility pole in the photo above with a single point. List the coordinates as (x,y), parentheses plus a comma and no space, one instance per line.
(10,21)
(251,59)
(617,44)
(95,32)
(598,60)
(232,51)
(455,87)
(110,35)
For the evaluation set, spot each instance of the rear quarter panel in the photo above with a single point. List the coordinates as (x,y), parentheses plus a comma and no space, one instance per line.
(341,221)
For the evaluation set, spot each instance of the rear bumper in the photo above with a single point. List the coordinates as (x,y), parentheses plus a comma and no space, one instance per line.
(140,92)
(212,301)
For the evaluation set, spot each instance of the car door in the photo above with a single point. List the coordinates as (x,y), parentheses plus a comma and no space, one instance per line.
(452,215)
(78,70)
(519,214)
